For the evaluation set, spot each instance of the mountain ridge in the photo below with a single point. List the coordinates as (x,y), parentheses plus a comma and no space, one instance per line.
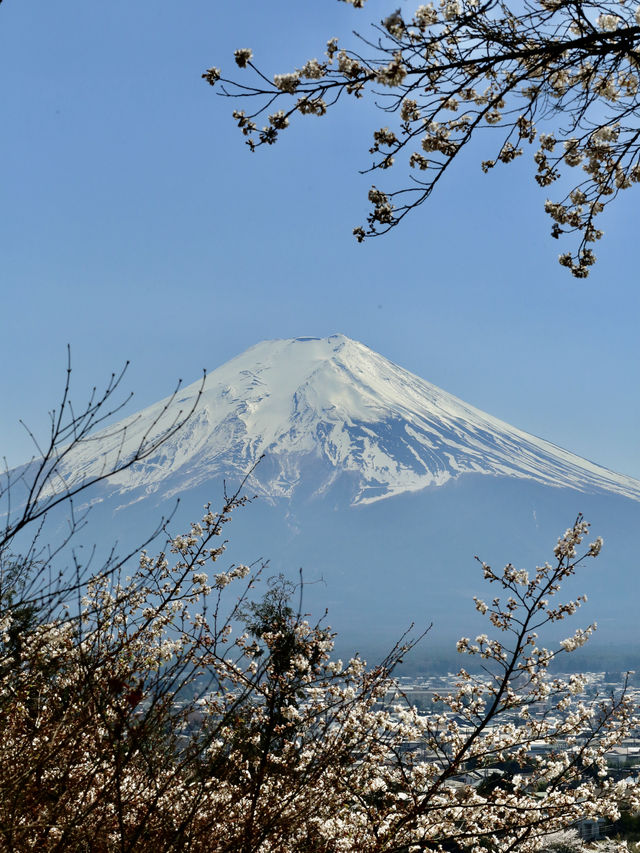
(322,408)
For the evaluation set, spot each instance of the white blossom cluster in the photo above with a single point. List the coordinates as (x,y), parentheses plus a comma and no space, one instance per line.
(562,74)
(109,736)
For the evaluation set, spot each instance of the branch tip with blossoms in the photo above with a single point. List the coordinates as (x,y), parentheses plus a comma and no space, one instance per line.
(564,75)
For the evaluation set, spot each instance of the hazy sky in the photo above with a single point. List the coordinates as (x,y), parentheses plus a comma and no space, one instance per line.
(136,225)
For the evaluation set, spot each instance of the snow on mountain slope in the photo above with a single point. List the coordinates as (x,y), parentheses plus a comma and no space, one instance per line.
(320,408)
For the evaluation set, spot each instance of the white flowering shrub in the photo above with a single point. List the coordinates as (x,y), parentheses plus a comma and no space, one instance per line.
(557,78)
(173,711)
(563,841)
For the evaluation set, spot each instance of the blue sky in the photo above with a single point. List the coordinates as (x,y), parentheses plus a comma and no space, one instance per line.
(136,225)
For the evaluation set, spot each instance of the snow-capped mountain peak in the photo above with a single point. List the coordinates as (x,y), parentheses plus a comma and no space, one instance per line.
(319,409)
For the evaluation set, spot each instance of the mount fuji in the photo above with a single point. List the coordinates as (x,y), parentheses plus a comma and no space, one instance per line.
(381,486)
(316,411)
